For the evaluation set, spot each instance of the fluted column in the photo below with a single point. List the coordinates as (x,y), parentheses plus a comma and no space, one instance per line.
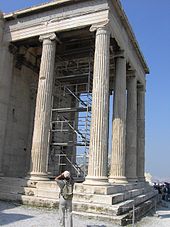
(141,133)
(117,173)
(39,152)
(33,93)
(98,152)
(131,129)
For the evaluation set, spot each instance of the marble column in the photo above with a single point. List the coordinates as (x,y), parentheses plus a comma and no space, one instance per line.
(98,152)
(117,172)
(131,129)
(141,133)
(40,145)
(33,93)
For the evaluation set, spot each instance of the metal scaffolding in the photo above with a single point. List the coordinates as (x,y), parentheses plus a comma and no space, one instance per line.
(71,116)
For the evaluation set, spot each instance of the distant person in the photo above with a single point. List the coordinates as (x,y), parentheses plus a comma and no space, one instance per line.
(155,186)
(65,182)
(165,192)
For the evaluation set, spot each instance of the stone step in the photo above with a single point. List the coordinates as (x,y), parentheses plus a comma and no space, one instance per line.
(29,200)
(116,209)
(7,196)
(139,212)
(50,185)
(123,219)
(127,205)
(105,218)
(13,181)
(109,190)
(52,194)
(29,191)
(39,201)
(109,199)
(11,188)
(95,208)
(17,182)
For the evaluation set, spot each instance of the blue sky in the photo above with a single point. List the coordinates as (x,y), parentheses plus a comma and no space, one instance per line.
(151,23)
(150,20)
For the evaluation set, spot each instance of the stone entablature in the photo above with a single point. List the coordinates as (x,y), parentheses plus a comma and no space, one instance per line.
(68,16)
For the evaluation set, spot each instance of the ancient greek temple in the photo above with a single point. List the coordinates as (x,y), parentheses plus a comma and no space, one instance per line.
(72,97)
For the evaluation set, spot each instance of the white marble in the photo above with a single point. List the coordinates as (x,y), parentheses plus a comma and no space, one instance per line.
(141,133)
(40,142)
(131,129)
(97,167)
(117,172)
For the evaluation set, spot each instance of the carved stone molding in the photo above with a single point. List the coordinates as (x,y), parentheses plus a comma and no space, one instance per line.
(120,54)
(102,25)
(48,36)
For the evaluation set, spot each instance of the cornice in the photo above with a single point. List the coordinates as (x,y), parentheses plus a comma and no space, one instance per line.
(128,28)
(37,8)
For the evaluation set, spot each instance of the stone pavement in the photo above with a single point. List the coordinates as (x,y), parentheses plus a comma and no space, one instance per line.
(160,219)
(16,215)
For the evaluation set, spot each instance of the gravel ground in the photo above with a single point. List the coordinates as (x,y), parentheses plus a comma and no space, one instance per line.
(15,215)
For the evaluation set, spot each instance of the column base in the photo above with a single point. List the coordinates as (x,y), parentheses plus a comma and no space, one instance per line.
(103,181)
(1,174)
(141,179)
(37,176)
(118,180)
(132,180)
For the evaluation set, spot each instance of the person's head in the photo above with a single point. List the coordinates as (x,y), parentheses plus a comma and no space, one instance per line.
(66,174)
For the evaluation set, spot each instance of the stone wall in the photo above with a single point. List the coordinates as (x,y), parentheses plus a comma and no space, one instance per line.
(17,142)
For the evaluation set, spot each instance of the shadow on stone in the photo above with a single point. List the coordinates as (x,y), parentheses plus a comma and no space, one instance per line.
(7,205)
(163,216)
(6,218)
(10,218)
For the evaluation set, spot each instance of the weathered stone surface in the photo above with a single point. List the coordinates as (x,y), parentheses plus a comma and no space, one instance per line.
(117,172)
(131,130)
(98,151)
(40,142)
(141,133)
(114,207)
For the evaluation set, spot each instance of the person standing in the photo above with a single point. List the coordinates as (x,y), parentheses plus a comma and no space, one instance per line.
(66,183)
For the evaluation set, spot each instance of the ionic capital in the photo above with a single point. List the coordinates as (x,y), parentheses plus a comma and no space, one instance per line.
(141,88)
(49,37)
(119,54)
(131,73)
(100,27)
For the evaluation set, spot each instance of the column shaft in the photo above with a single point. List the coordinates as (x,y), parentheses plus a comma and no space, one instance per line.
(131,129)
(117,173)
(98,154)
(141,134)
(40,143)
